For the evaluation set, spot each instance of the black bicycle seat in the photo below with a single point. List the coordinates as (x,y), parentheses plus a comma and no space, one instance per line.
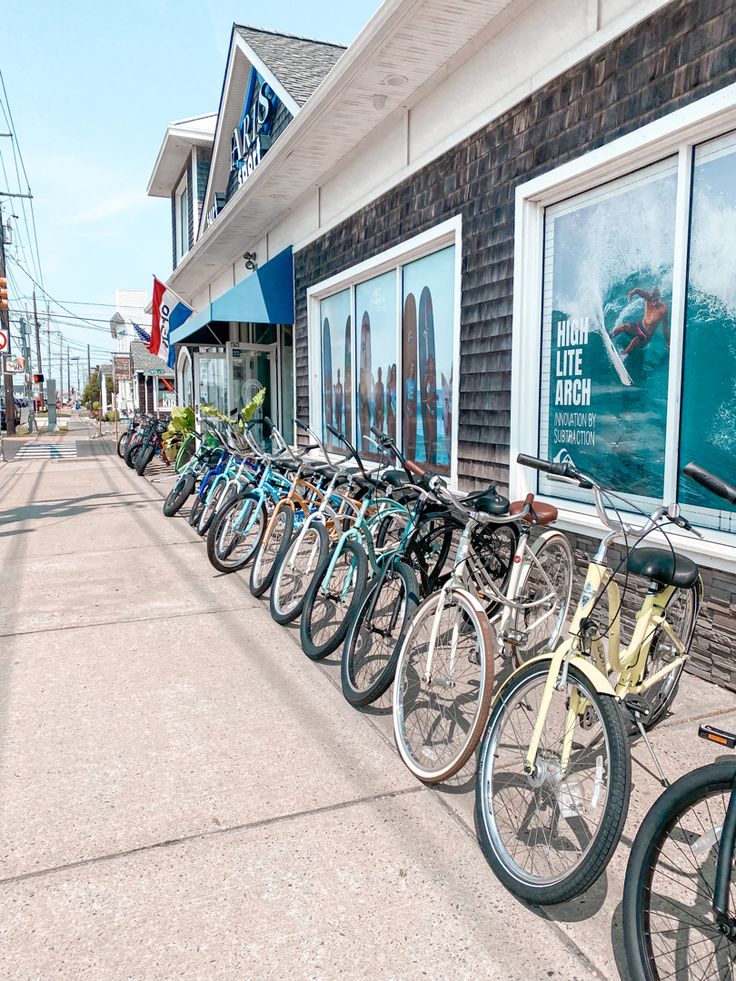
(396,478)
(663,567)
(487,501)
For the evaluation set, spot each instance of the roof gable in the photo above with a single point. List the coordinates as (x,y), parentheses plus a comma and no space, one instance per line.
(291,66)
(299,64)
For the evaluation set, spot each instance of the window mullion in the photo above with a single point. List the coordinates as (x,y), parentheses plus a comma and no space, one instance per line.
(677,322)
(399,418)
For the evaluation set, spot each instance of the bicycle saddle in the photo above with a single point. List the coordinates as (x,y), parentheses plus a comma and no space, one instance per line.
(544,514)
(396,478)
(487,501)
(663,567)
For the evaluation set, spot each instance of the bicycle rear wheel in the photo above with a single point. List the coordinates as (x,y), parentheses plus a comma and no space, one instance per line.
(374,639)
(549,835)
(670,928)
(330,605)
(440,706)
(681,614)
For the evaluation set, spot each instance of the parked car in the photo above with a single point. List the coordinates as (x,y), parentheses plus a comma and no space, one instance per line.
(2,413)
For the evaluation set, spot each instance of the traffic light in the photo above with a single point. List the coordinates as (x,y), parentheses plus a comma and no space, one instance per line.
(3,293)
(37,379)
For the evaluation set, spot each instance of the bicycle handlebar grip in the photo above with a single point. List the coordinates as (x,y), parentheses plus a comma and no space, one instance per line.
(414,468)
(711,482)
(535,463)
(334,432)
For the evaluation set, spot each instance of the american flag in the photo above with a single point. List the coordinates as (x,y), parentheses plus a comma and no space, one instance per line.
(143,334)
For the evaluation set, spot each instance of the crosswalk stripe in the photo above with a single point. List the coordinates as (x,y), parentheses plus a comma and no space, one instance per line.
(46,451)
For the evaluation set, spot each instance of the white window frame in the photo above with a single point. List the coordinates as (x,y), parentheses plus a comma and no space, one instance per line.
(675,134)
(181,229)
(441,236)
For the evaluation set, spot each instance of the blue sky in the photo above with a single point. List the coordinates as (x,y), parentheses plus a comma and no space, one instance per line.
(91,88)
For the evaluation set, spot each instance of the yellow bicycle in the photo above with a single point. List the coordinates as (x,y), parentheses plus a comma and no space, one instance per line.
(554,771)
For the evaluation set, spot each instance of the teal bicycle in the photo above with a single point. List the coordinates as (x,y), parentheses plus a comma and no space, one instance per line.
(338,585)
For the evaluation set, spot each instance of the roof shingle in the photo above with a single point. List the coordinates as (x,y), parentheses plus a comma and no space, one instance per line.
(148,363)
(298,63)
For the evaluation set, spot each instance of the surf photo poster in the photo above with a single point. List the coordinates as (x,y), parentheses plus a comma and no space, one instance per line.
(375,306)
(426,358)
(606,329)
(336,369)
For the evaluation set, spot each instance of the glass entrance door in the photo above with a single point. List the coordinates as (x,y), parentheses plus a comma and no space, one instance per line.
(211,370)
(254,368)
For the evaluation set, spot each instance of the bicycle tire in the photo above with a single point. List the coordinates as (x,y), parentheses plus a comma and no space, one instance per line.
(179,493)
(642,904)
(563,793)
(123,444)
(361,687)
(211,506)
(221,554)
(529,586)
(328,616)
(274,544)
(131,453)
(663,693)
(196,509)
(414,692)
(143,459)
(290,584)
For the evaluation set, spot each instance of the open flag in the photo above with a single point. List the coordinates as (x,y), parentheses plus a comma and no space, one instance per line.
(168,312)
(142,334)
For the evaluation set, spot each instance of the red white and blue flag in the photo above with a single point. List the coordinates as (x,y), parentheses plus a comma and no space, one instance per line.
(168,312)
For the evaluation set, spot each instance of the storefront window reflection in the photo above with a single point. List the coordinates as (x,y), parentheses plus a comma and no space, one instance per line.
(708,421)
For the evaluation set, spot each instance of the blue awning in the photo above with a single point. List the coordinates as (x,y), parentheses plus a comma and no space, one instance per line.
(264,297)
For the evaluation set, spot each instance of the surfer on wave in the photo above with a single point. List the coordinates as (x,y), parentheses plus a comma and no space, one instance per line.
(642,331)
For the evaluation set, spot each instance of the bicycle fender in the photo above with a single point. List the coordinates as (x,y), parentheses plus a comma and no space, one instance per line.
(598,681)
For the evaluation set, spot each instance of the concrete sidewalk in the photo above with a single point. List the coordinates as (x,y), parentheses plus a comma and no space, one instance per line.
(185,795)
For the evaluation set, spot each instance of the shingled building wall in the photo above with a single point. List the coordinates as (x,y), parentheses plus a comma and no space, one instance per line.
(684,51)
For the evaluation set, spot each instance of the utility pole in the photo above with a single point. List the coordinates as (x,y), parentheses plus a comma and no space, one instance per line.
(28,370)
(68,374)
(89,366)
(5,322)
(61,366)
(38,344)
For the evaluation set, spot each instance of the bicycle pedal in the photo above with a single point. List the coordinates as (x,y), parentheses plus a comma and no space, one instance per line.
(637,706)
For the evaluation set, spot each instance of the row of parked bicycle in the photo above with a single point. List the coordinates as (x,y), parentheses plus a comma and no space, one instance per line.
(440,594)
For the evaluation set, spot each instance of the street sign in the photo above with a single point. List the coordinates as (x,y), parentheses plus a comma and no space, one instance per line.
(121,367)
(157,371)
(3,340)
(16,365)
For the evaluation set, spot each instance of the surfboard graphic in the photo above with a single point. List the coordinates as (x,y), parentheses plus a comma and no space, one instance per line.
(327,372)
(613,356)
(348,382)
(409,373)
(365,383)
(428,375)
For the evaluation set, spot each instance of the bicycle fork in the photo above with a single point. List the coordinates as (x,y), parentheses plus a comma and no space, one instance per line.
(461,558)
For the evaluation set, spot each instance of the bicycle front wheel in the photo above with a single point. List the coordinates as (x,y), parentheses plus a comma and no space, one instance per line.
(545,594)
(330,603)
(236,532)
(670,929)
(442,690)
(179,493)
(374,639)
(275,542)
(295,570)
(548,835)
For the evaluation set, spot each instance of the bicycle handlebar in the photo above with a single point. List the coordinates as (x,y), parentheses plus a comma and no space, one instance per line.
(712,483)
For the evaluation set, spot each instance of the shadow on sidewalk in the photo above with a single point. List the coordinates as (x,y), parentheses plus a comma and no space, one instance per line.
(64,508)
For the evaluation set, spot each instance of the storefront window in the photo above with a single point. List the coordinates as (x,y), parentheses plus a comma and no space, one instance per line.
(375,306)
(708,420)
(401,325)
(606,332)
(427,340)
(336,337)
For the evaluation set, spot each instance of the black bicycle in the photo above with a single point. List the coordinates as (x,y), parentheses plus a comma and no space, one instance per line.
(679,910)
